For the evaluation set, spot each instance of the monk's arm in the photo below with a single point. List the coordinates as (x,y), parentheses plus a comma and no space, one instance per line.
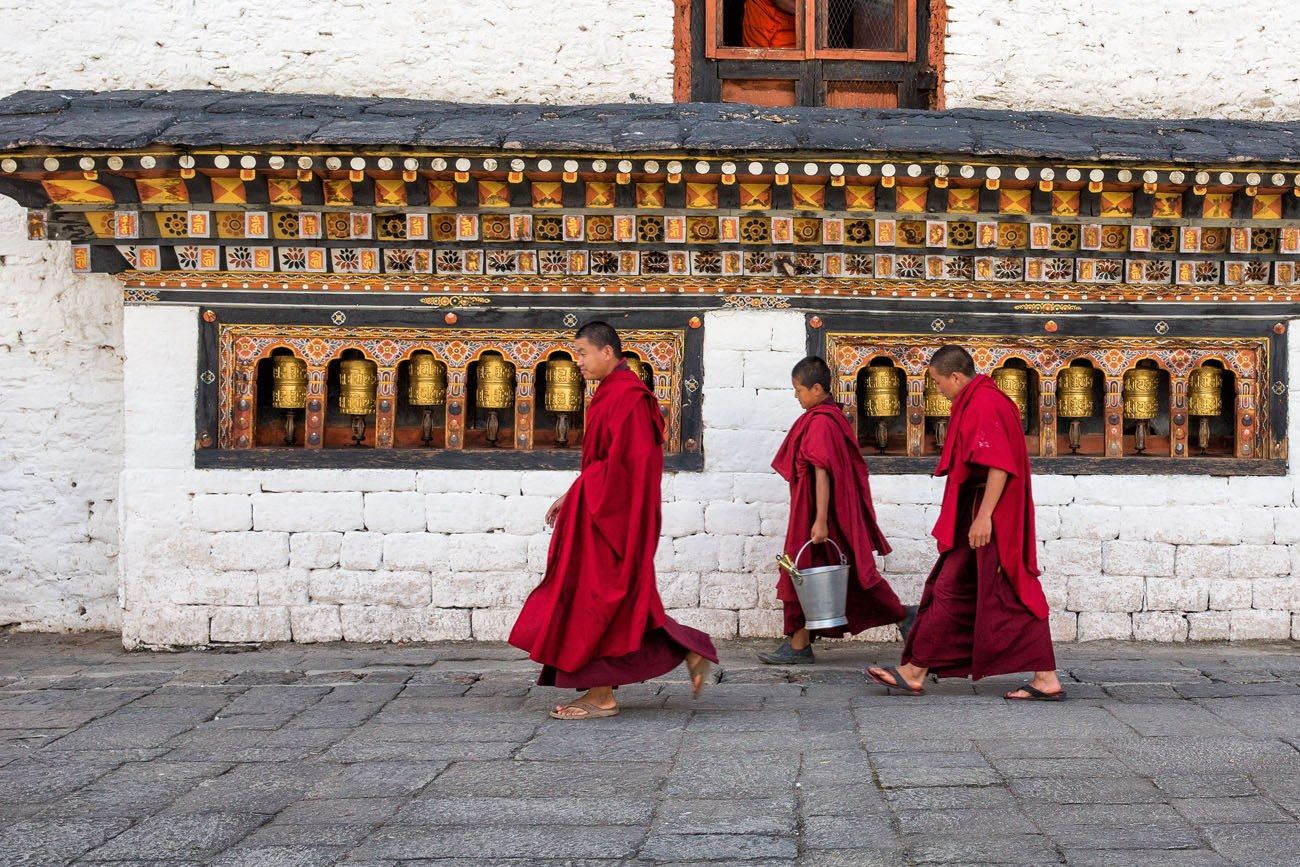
(981,529)
(821,523)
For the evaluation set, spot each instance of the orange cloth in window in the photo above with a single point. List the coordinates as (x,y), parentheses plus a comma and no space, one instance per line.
(766,26)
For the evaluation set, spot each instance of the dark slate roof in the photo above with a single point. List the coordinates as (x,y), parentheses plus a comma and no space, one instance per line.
(194,118)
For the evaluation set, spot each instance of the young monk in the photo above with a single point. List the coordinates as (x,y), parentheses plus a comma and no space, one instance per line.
(830,500)
(982,611)
(596,620)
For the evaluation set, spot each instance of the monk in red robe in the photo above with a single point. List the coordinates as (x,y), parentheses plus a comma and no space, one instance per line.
(982,610)
(596,620)
(769,24)
(830,501)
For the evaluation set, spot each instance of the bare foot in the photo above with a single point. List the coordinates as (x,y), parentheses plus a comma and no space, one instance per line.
(1046,682)
(882,675)
(698,667)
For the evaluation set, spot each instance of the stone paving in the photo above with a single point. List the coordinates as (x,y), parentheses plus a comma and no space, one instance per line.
(1187,756)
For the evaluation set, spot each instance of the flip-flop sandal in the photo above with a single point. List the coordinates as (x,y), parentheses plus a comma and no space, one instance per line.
(700,670)
(1035,694)
(899,683)
(590,711)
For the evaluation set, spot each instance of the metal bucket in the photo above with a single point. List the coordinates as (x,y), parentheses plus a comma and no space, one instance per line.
(823,590)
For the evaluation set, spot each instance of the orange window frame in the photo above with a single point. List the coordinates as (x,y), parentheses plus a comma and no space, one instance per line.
(807,28)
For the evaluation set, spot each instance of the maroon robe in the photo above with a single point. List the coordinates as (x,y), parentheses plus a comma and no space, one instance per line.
(983,611)
(596,619)
(823,437)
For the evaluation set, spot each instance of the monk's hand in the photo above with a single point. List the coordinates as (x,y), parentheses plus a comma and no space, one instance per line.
(554,511)
(981,531)
(820,531)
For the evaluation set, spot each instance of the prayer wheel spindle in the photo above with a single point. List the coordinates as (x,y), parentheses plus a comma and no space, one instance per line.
(358,379)
(1074,399)
(883,401)
(1141,400)
(289,390)
(938,408)
(1205,400)
(1014,383)
(427,389)
(564,393)
(496,390)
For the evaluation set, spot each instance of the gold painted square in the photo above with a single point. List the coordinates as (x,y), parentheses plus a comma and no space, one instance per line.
(495,227)
(337,192)
(1116,203)
(808,197)
(600,194)
(859,197)
(228,191)
(910,200)
(1167,206)
(600,229)
(1014,201)
(442,194)
(390,192)
(807,230)
(548,194)
(1218,206)
(283,191)
(493,194)
(1065,203)
(162,191)
(699,195)
(650,195)
(755,197)
(73,191)
(963,200)
(1267,206)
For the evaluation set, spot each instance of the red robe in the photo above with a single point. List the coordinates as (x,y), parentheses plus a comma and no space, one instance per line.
(823,437)
(983,611)
(597,613)
(765,26)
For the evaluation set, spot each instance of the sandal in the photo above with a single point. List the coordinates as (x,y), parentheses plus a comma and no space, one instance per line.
(589,711)
(900,683)
(699,672)
(1034,694)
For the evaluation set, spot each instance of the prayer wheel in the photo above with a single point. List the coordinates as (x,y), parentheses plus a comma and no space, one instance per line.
(358,379)
(288,390)
(883,401)
(564,392)
(427,389)
(640,368)
(938,408)
(1014,383)
(1141,401)
(1205,400)
(496,390)
(1074,399)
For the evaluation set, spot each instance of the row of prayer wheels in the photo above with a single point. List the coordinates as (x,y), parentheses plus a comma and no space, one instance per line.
(1075,399)
(427,388)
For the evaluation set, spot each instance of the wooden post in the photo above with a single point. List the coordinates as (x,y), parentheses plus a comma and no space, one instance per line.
(914,415)
(1178,420)
(1046,416)
(385,407)
(1113,410)
(313,434)
(525,408)
(245,409)
(457,408)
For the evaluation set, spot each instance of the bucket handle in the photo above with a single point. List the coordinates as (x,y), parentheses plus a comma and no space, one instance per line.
(794,573)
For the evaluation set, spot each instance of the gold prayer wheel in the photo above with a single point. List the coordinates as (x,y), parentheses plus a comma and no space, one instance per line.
(1205,400)
(883,400)
(288,390)
(496,390)
(428,381)
(564,393)
(639,367)
(938,408)
(1074,399)
(1014,383)
(358,379)
(1141,401)
(427,388)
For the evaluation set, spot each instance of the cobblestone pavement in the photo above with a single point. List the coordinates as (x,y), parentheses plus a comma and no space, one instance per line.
(1186,756)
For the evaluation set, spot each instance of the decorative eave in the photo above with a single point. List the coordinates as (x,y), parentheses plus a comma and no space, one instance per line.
(310,193)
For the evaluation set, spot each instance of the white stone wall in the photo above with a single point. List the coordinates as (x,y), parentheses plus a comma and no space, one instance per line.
(220,556)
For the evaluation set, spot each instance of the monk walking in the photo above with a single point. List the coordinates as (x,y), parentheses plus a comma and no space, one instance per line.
(982,611)
(830,502)
(596,620)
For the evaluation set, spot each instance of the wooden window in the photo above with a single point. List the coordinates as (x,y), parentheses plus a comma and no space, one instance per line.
(839,53)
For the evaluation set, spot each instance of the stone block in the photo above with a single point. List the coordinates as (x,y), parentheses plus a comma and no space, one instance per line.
(1047,522)
(223,512)
(325,510)
(1159,626)
(696,554)
(245,625)
(1071,557)
(486,552)
(1148,559)
(905,520)
(761,488)
(190,587)
(704,487)
(1064,625)
(925,490)
(1053,490)
(726,369)
(761,623)
(747,329)
(165,626)
(775,519)
(1181,525)
(717,622)
(311,624)
(546,484)
(524,516)
(426,551)
(1207,562)
(1276,593)
(1208,626)
(492,624)
(761,553)
(457,512)
(1098,626)
(1259,561)
(740,451)
(283,587)
(679,589)
(361,551)
(482,589)
(1090,522)
(1261,491)
(1256,525)
(1111,490)
(1227,594)
(352,480)
(683,518)
(732,519)
(1177,594)
(443,624)
(1286,526)
(395,512)
(500,483)
(249,551)
(1055,590)
(728,590)
(1252,624)
(1101,593)
(731,553)
(314,550)
(771,370)
(911,555)
(539,546)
